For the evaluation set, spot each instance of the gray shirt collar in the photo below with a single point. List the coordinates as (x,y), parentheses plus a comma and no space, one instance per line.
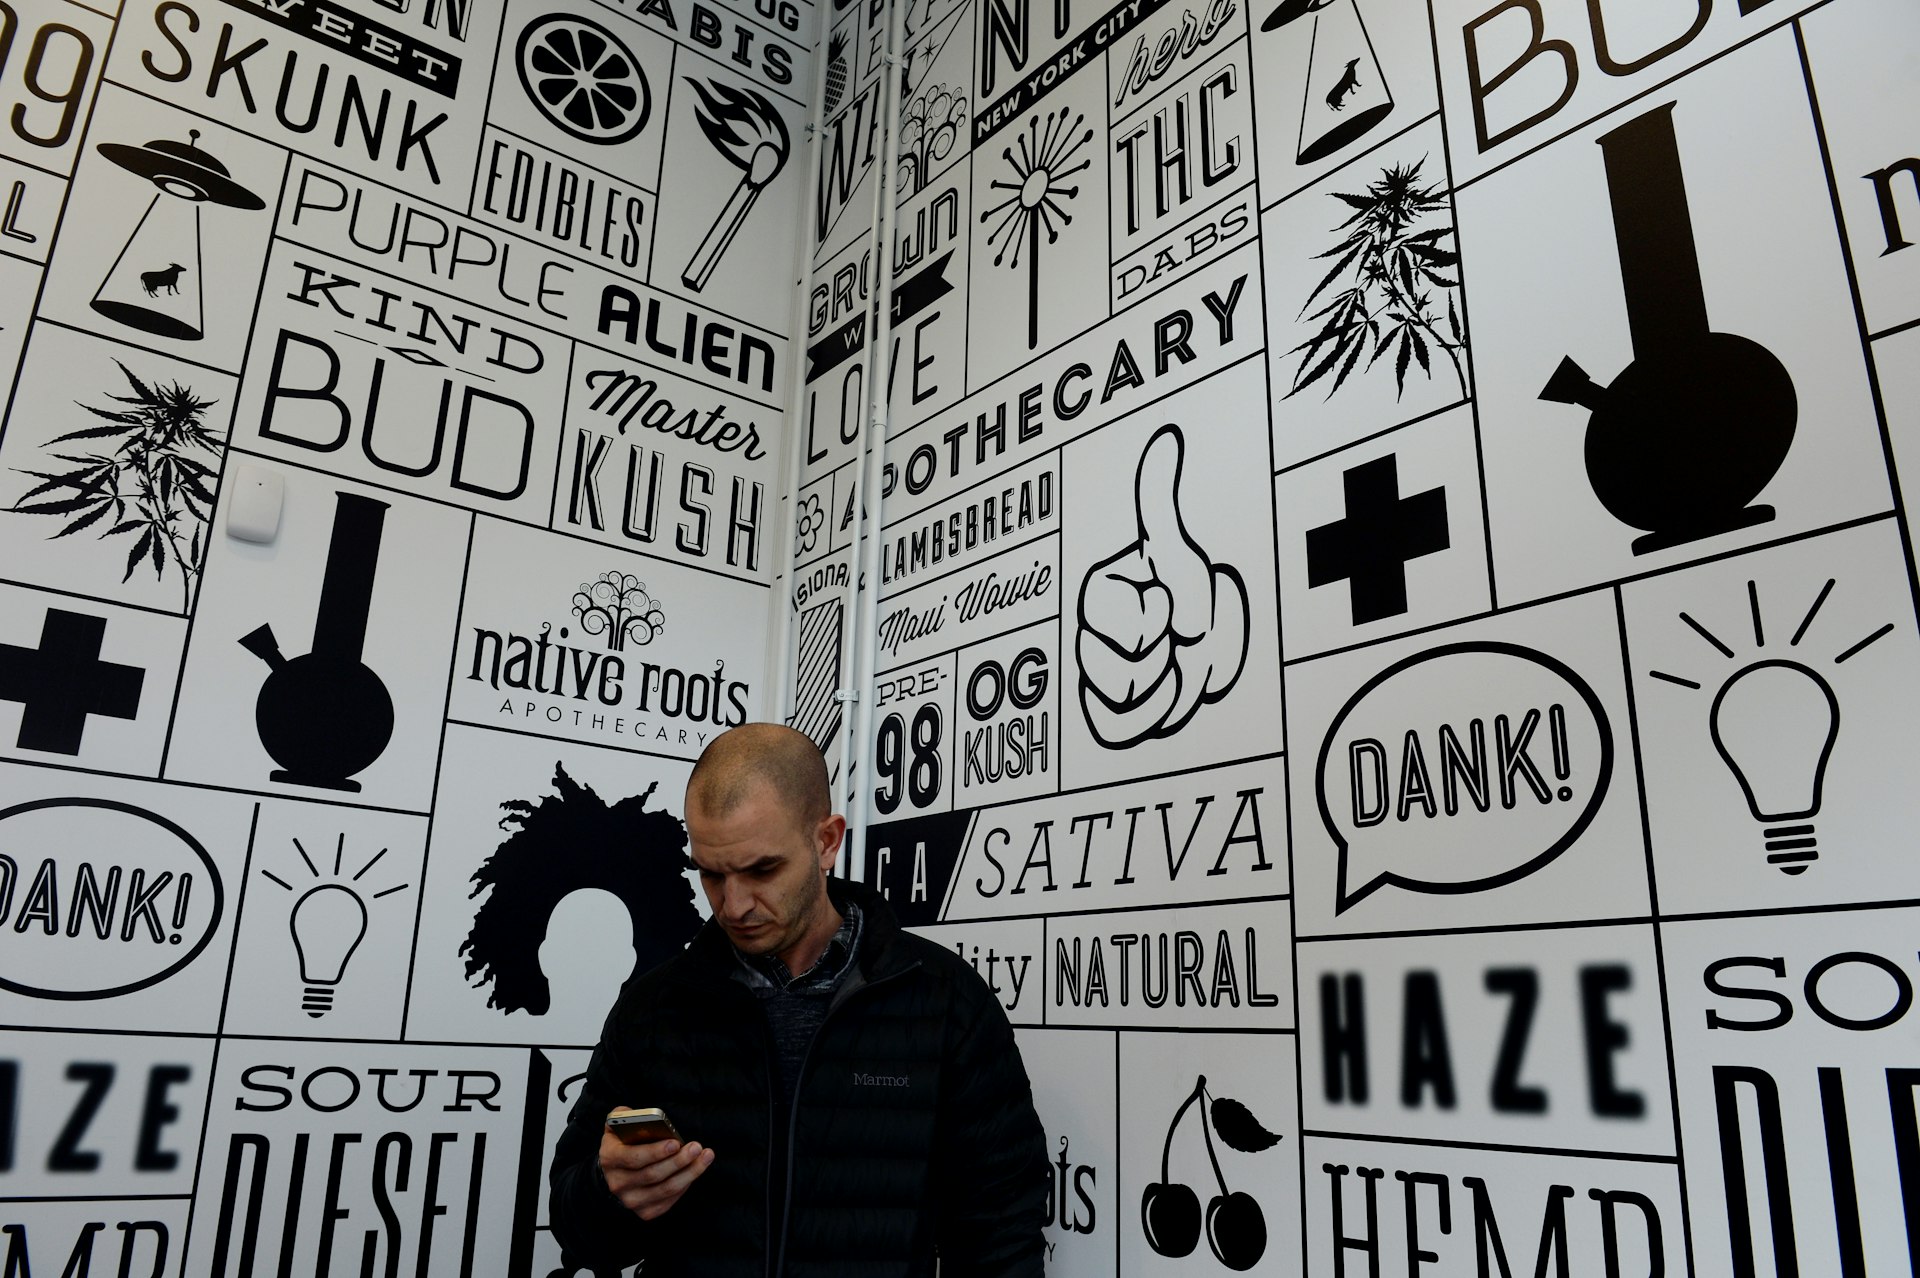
(766,973)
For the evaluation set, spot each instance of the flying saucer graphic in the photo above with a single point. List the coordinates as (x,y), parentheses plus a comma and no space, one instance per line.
(1345,94)
(150,286)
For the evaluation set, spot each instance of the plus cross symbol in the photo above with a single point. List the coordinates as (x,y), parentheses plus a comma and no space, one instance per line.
(63,681)
(1371,546)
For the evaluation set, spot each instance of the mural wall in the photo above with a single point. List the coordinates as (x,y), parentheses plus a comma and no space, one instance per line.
(388,513)
(1397,653)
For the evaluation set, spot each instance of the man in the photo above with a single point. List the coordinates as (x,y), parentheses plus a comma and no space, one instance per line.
(850,1095)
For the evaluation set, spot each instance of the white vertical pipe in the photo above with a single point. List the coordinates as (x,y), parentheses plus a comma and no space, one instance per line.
(780,701)
(879,256)
(873,521)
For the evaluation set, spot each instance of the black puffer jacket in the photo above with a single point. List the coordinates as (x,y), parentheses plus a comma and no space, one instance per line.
(913,1127)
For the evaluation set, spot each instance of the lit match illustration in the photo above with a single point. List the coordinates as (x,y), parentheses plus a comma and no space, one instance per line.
(745,128)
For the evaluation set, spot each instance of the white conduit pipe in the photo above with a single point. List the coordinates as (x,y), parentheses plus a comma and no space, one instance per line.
(873,522)
(855,632)
(779,702)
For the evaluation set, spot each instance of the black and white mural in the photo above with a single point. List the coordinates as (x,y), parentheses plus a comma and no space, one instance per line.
(1396,638)
(391,414)
(1396,614)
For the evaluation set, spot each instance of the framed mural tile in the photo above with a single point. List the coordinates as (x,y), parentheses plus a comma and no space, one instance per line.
(1010,956)
(1198,967)
(1516,76)
(388,381)
(1076,1084)
(537,952)
(319,662)
(120,899)
(1863,91)
(1397,542)
(1189,674)
(1776,723)
(94,1127)
(86,684)
(1007,717)
(1736,409)
(1366,318)
(1450,1206)
(1795,1086)
(660,465)
(1039,246)
(1477,775)
(1210,1117)
(1552,1039)
(179,210)
(111,450)
(1334,81)
(326,933)
(1188,838)
(591,85)
(621,650)
(936,102)
(316,81)
(713,212)
(298,1134)
(927,359)
(1181,179)
(53,82)
(145,1232)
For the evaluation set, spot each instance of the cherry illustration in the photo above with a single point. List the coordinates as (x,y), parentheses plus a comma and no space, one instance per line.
(1170,1213)
(1236,1230)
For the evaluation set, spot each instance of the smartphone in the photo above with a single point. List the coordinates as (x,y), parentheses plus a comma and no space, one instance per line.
(642,1127)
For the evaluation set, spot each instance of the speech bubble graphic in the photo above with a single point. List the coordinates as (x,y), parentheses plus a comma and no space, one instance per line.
(100,899)
(1461,769)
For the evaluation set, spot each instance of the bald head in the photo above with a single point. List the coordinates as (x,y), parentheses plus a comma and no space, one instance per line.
(769,754)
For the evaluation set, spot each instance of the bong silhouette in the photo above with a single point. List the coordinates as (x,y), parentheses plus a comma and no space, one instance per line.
(1170,1212)
(325,716)
(1696,426)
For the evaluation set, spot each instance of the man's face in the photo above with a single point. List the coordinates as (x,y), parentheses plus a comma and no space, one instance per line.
(763,869)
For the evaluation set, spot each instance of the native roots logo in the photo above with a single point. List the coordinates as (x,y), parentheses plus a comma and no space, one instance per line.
(594,682)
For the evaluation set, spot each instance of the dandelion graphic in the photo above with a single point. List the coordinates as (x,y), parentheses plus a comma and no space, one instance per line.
(1036,202)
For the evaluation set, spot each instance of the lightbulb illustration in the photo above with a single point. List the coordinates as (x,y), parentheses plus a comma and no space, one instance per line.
(327,924)
(1774,724)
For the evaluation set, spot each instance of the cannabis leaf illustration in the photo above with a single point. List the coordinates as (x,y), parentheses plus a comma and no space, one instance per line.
(1394,268)
(149,477)
(1239,1128)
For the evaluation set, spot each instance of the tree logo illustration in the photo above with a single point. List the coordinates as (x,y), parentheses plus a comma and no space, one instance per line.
(618,606)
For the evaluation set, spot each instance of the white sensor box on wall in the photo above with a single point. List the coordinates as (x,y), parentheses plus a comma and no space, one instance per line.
(254,512)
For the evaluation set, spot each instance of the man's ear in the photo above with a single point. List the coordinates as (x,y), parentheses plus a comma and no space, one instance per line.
(827,838)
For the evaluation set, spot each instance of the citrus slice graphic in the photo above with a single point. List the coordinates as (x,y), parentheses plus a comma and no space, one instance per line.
(583,79)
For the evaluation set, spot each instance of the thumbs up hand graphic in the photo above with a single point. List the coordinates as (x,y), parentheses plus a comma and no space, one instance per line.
(1162,629)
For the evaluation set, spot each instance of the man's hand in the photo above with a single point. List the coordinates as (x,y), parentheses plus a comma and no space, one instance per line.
(649,1179)
(1162,628)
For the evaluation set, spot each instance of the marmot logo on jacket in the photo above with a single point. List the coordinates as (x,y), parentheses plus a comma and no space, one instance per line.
(881,1080)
